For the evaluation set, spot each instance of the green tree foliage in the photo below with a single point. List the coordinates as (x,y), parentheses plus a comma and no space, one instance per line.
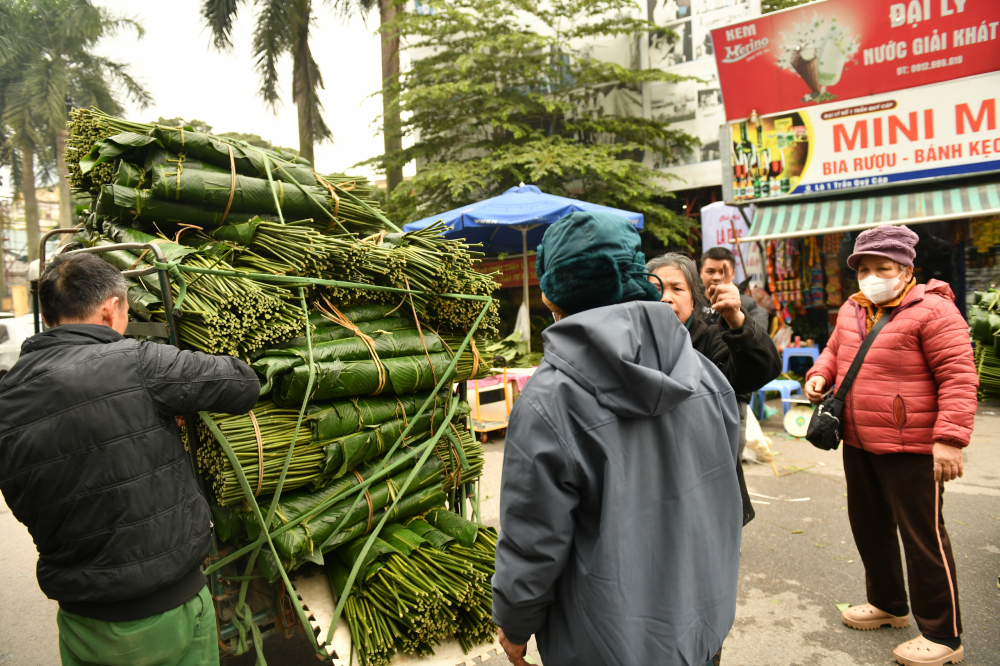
(48,65)
(500,92)
(768,6)
(283,28)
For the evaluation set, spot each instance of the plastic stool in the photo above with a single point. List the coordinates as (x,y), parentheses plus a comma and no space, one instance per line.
(786,387)
(811,352)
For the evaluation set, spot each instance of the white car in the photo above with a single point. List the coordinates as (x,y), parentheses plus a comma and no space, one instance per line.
(13,331)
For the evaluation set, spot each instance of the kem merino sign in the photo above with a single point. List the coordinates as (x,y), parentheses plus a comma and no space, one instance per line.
(838,50)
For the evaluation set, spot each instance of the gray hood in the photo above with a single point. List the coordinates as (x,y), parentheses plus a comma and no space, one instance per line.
(635,358)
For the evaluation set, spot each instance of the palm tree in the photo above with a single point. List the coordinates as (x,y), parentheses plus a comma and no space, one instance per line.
(392,136)
(47,66)
(282,27)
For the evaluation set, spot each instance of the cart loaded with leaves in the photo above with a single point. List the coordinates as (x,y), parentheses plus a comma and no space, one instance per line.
(355,467)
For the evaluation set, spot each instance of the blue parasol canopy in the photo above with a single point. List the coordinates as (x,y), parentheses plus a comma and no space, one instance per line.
(514,221)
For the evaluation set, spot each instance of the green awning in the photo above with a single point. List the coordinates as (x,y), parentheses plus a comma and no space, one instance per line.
(810,217)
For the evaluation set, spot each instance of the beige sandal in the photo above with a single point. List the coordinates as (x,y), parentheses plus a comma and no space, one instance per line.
(922,652)
(867,617)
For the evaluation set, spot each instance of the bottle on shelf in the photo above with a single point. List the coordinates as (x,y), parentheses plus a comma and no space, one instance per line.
(761,164)
(748,154)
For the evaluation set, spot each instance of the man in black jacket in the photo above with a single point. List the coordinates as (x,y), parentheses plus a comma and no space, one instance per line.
(91,461)
(718,267)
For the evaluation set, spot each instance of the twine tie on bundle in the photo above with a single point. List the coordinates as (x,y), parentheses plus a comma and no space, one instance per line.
(337,317)
(420,331)
(336,204)
(183,228)
(368,498)
(361,415)
(232,183)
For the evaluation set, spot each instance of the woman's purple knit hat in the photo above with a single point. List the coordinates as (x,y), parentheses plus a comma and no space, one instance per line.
(889,241)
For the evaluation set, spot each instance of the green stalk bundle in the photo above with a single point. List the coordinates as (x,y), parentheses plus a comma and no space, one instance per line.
(988,367)
(420,260)
(281,249)
(451,271)
(415,593)
(219,314)
(348,519)
(337,438)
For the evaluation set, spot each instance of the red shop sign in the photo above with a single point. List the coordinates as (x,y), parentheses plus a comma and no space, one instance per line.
(511,272)
(843,49)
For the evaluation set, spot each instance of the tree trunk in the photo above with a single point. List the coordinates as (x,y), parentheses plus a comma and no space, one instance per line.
(302,91)
(30,203)
(305,136)
(66,217)
(391,125)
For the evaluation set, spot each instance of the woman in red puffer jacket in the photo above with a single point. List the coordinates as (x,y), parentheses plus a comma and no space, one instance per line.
(906,419)
(917,385)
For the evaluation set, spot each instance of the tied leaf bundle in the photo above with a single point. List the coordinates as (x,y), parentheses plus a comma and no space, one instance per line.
(296,273)
(984,323)
(419,585)
(269,213)
(336,438)
(180,166)
(386,356)
(348,519)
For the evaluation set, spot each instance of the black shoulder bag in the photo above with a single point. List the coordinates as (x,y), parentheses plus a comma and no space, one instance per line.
(824,426)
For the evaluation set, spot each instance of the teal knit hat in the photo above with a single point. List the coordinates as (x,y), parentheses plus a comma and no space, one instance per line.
(590,260)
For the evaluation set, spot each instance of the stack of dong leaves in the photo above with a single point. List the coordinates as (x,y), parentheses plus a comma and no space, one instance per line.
(356,431)
(984,324)
(220,204)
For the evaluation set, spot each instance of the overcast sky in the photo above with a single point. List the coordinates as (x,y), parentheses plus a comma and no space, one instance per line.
(188,77)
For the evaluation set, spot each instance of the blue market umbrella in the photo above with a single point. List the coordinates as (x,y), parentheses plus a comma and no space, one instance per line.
(513,221)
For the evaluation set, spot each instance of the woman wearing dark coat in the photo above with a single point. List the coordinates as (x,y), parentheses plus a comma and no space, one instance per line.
(734,342)
(744,352)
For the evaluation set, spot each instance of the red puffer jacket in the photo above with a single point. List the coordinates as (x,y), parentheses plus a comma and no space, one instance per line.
(918,383)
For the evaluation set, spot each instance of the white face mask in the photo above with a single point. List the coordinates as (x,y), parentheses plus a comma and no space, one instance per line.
(880,290)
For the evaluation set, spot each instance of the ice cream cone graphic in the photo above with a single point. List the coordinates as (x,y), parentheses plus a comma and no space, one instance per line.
(805,63)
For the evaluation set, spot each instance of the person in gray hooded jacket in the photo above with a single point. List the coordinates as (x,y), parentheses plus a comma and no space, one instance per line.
(620,509)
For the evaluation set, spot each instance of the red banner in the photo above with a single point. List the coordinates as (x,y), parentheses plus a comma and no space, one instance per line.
(843,49)
(511,272)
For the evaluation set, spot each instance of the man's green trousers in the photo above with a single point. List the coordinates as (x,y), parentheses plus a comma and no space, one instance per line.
(182,636)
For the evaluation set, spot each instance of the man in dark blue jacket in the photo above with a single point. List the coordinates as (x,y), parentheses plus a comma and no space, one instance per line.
(91,461)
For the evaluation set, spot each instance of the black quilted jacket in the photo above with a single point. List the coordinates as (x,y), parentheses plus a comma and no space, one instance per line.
(747,356)
(91,461)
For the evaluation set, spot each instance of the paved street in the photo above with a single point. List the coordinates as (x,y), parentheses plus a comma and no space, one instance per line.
(799,561)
